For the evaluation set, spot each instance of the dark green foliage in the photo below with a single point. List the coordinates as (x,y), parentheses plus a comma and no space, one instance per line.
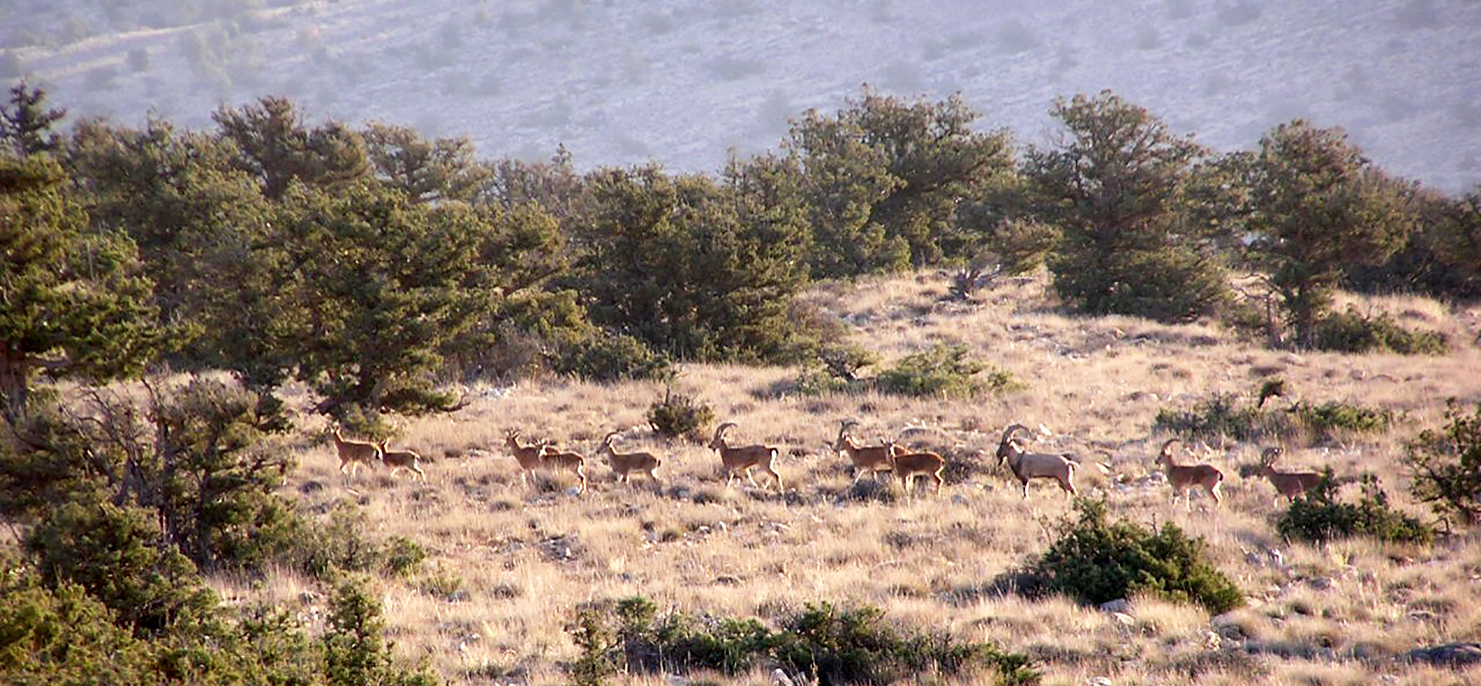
(1320,206)
(277,149)
(677,415)
(75,304)
(1115,189)
(26,122)
(882,178)
(426,171)
(845,646)
(1351,332)
(403,555)
(595,644)
(609,356)
(822,642)
(60,635)
(1270,388)
(117,554)
(195,456)
(325,548)
(942,370)
(381,288)
(355,650)
(1095,561)
(1224,415)
(202,227)
(696,269)
(1446,464)
(1335,415)
(1442,256)
(1317,516)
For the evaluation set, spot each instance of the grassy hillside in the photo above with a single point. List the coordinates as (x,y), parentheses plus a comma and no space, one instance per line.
(509,563)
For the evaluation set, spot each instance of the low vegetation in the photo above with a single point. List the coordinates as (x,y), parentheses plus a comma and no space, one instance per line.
(1351,332)
(1226,416)
(1095,561)
(1319,516)
(678,415)
(821,644)
(941,371)
(1446,464)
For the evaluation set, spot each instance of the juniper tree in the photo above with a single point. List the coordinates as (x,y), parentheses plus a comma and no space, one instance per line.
(75,304)
(1115,187)
(26,123)
(1319,206)
(883,178)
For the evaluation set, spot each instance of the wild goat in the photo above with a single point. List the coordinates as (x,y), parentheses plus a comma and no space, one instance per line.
(398,460)
(565,461)
(627,463)
(1184,477)
(907,465)
(1288,484)
(352,454)
(1028,466)
(866,458)
(744,458)
(528,456)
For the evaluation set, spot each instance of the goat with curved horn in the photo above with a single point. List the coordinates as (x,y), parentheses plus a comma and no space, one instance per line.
(744,458)
(1027,466)
(865,458)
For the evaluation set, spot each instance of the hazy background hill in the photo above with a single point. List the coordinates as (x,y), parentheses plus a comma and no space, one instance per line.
(684,81)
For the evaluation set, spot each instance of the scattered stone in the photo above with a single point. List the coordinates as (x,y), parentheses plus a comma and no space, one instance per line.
(960,499)
(1448,655)
(781,678)
(1123,619)
(1100,681)
(1322,583)
(727,580)
(1117,605)
(1276,558)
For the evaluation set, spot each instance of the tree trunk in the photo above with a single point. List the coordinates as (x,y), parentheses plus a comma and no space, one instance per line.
(15,372)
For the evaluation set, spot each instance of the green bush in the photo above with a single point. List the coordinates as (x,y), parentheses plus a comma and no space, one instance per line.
(848,646)
(822,642)
(61,635)
(118,554)
(595,660)
(942,371)
(1094,561)
(1332,416)
(1352,332)
(324,549)
(1446,465)
(677,414)
(1223,415)
(1317,516)
(355,650)
(611,357)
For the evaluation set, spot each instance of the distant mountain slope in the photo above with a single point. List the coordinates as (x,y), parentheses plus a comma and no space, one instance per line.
(683,81)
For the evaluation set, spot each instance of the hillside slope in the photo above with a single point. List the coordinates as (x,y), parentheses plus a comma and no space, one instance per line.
(510,562)
(683,82)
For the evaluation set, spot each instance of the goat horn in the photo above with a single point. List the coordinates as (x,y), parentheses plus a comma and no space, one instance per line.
(1169,443)
(1008,432)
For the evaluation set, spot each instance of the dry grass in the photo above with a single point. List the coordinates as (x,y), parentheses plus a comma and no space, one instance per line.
(527,556)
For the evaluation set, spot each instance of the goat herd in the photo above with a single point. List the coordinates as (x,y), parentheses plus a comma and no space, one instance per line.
(871,459)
